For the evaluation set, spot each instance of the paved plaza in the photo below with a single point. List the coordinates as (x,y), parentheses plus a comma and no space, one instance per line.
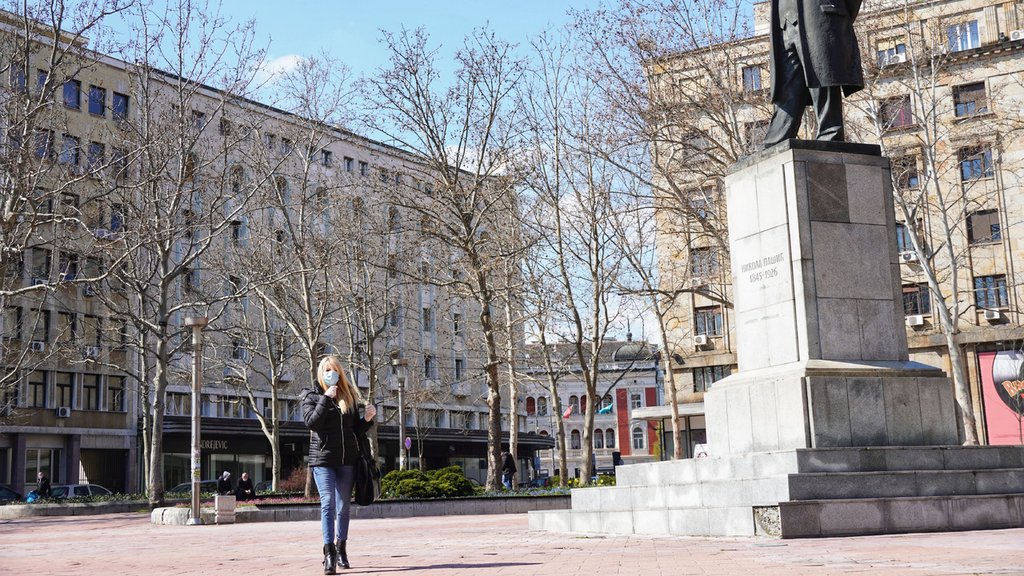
(127,544)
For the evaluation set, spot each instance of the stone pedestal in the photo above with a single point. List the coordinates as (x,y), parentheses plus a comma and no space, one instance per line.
(822,347)
(224,509)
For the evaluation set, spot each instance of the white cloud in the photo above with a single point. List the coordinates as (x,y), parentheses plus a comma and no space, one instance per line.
(276,67)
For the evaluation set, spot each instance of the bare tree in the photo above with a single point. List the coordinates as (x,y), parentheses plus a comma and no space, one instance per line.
(175,198)
(465,134)
(937,187)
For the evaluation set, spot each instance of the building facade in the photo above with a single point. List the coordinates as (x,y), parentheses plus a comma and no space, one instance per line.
(942,98)
(255,193)
(628,379)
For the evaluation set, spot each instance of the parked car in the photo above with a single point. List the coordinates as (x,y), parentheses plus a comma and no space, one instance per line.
(204,487)
(78,490)
(6,494)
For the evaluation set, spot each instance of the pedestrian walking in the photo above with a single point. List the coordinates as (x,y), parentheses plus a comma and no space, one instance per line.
(330,410)
(508,469)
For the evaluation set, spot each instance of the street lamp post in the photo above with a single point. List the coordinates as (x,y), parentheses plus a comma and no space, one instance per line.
(197,324)
(400,366)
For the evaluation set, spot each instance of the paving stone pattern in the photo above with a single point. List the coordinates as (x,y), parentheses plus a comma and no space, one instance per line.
(127,544)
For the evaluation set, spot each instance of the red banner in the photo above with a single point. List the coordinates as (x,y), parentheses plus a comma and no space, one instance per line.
(1002,389)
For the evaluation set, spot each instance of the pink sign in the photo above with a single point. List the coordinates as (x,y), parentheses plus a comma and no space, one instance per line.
(1002,389)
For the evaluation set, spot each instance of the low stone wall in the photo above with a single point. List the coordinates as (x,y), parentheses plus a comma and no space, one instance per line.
(15,511)
(382,509)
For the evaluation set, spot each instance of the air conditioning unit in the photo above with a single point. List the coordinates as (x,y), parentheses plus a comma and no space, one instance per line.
(38,281)
(37,346)
(88,291)
(908,256)
(1016,35)
(993,315)
(92,351)
(700,340)
(697,282)
(915,320)
(101,233)
(894,59)
(63,412)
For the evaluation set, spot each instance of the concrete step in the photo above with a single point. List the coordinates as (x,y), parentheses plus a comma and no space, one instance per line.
(876,459)
(711,493)
(826,518)
(728,521)
(693,470)
(845,485)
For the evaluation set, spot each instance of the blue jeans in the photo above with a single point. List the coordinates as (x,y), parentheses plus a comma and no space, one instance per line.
(506,480)
(335,486)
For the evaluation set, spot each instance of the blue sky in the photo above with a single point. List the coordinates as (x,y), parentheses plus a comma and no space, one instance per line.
(350,30)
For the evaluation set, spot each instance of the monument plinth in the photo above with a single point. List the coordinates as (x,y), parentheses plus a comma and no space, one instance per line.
(826,429)
(822,348)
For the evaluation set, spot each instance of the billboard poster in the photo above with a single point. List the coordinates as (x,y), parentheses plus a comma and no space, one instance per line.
(1002,389)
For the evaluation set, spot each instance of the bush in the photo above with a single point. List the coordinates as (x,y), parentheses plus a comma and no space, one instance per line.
(447,482)
(295,482)
(605,480)
(389,483)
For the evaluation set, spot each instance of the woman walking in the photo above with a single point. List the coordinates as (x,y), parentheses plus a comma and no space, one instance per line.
(331,412)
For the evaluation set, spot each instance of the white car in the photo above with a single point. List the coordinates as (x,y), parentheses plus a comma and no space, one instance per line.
(77,490)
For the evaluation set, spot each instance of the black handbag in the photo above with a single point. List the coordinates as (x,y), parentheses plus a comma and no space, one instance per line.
(367,476)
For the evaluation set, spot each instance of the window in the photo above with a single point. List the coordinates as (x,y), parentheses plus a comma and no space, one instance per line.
(73,94)
(119,106)
(225,128)
(364,169)
(895,113)
(990,292)
(94,156)
(325,157)
(702,201)
(36,393)
(67,264)
(115,394)
(708,321)
(18,77)
(237,232)
(460,368)
(542,406)
(67,327)
(635,401)
(198,120)
(574,440)
(40,323)
(638,438)
(892,53)
(70,152)
(41,77)
(428,366)
(97,101)
(90,399)
(751,78)
(63,388)
(44,144)
(916,300)
(983,227)
(904,171)
(40,265)
(457,325)
(969,99)
(705,376)
(428,319)
(43,460)
(963,36)
(754,134)
(609,438)
(348,164)
(598,440)
(238,351)
(11,327)
(119,162)
(607,405)
(975,163)
(903,241)
(703,262)
(116,217)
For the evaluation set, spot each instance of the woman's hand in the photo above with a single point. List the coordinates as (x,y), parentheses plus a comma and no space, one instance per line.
(369,412)
(331,392)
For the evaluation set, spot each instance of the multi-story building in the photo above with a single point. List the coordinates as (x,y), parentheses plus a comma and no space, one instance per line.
(942,97)
(627,379)
(252,191)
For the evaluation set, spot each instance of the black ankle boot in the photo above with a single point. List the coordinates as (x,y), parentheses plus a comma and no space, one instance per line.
(342,554)
(330,559)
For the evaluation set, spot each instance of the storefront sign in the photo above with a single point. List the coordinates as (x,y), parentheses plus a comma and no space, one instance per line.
(1002,386)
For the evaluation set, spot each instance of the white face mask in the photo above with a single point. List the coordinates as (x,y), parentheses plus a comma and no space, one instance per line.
(330,378)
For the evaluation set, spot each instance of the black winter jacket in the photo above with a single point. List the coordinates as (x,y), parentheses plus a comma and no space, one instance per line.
(334,439)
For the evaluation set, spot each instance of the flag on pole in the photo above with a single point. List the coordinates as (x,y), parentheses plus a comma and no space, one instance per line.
(568,412)
(606,409)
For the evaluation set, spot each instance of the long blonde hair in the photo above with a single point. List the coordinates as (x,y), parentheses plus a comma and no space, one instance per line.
(348,395)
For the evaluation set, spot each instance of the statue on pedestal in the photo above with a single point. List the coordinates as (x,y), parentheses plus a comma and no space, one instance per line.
(815,61)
